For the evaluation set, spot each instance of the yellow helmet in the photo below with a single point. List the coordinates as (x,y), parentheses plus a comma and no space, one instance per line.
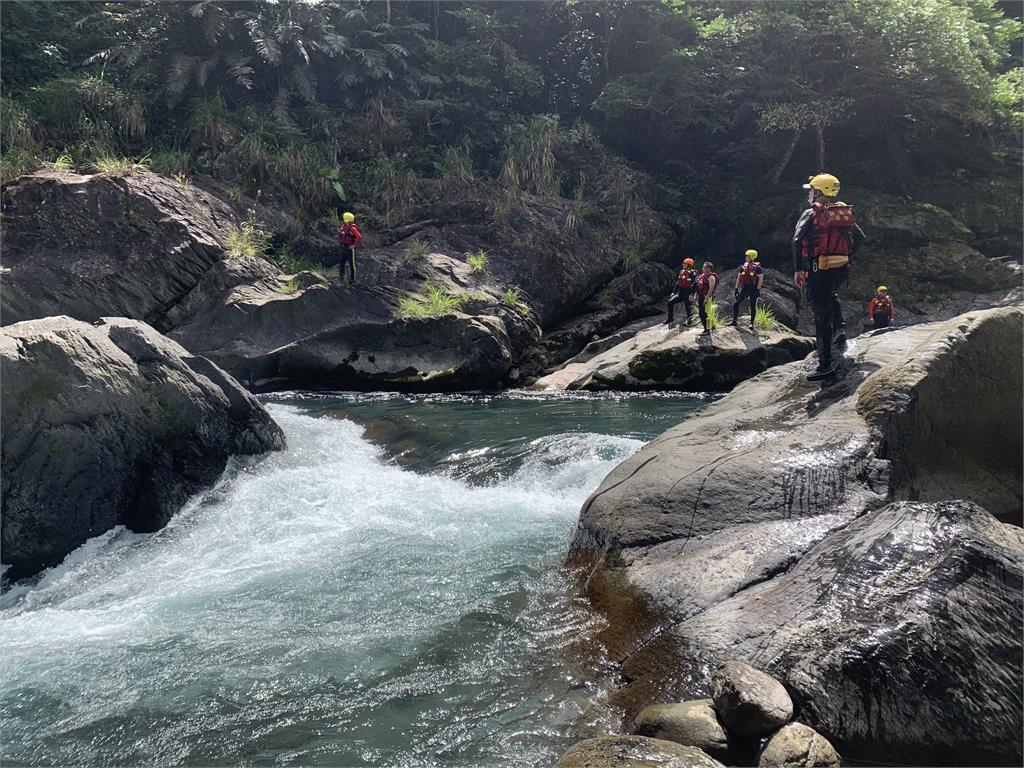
(348,217)
(881,288)
(825,183)
(751,254)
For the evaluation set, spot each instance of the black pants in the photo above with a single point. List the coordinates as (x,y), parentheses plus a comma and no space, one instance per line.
(822,292)
(881,321)
(676,298)
(348,262)
(748,291)
(837,314)
(702,310)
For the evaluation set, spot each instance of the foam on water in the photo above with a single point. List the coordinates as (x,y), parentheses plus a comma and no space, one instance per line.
(319,606)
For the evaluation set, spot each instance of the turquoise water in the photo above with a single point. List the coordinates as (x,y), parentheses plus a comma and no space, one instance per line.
(391,601)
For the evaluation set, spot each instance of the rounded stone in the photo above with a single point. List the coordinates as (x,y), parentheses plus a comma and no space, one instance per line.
(634,752)
(749,703)
(691,723)
(798,746)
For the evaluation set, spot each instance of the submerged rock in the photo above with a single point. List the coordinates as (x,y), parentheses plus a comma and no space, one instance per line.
(762,530)
(633,752)
(109,424)
(675,357)
(691,723)
(749,703)
(797,746)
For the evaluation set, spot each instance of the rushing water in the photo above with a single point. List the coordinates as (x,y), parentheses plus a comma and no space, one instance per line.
(391,601)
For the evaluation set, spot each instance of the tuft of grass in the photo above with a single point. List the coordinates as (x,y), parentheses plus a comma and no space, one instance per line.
(434,302)
(416,248)
(477,261)
(632,258)
(513,297)
(247,241)
(120,166)
(334,216)
(64,162)
(714,319)
(170,163)
(292,265)
(292,286)
(455,164)
(16,162)
(764,318)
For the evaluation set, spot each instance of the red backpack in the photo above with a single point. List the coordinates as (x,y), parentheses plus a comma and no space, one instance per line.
(831,230)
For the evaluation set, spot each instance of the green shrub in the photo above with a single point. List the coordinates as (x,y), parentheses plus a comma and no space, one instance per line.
(170,163)
(292,265)
(477,261)
(417,248)
(764,318)
(712,311)
(528,162)
(292,286)
(513,297)
(632,258)
(119,166)
(247,241)
(15,126)
(64,162)
(434,302)
(455,164)
(17,162)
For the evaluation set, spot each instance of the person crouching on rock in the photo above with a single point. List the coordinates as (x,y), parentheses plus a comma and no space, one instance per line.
(349,236)
(707,282)
(881,311)
(686,286)
(748,286)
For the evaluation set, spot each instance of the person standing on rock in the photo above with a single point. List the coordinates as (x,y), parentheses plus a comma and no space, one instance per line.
(349,236)
(686,286)
(826,237)
(707,282)
(748,286)
(881,311)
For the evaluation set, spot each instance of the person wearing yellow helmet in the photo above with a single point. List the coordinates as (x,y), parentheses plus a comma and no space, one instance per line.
(881,310)
(686,286)
(825,239)
(749,282)
(349,237)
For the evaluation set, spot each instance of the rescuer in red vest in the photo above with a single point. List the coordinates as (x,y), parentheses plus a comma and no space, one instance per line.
(349,237)
(686,286)
(881,310)
(748,286)
(826,237)
(707,282)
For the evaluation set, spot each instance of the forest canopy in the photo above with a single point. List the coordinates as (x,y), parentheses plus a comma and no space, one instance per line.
(367,102)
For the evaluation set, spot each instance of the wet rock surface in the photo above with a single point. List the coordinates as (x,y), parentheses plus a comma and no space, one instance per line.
(798,746)
(764,530)
(691,723)
(109,424)
(633,752)
(748,702)
(676,357)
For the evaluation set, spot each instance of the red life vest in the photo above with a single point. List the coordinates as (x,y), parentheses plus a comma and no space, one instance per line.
(831,230)
(881,305)
(749,273)
(349,235)
(704,285)
(687,279)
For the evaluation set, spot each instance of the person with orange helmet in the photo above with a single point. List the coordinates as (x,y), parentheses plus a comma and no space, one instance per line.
(685,287)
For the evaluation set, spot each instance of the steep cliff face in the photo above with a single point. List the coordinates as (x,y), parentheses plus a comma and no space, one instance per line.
(763,530)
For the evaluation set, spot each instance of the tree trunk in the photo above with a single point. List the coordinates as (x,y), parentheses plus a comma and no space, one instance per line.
(777,173)
(820,130)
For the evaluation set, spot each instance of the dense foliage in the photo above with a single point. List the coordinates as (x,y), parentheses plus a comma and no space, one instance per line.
(380,103)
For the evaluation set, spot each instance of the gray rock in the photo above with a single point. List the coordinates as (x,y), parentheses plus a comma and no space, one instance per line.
(749,703)
(798,746)
(691,723)
(677,358)
(633,752)
(762,530)
(105,245)
(109,424)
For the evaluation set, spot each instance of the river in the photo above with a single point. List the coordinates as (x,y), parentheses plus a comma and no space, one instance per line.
(385,592)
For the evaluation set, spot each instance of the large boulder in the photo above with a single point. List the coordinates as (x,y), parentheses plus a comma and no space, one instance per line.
(634,752)
(691,723)
(749,703)
(109,424)
(798,746)
(103,245)
(763,530)
(658,356)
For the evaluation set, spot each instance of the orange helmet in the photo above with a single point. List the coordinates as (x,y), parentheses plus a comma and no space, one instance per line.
(687,262)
